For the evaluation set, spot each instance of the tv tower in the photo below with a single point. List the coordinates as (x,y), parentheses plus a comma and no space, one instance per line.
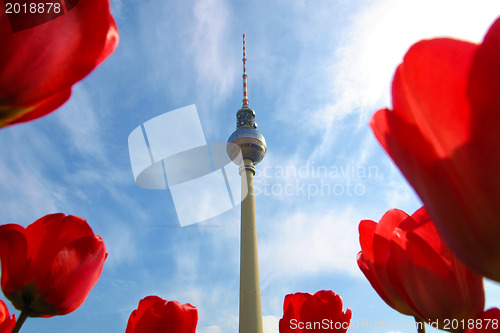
(252,145)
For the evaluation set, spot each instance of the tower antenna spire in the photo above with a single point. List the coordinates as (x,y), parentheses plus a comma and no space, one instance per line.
(245,91)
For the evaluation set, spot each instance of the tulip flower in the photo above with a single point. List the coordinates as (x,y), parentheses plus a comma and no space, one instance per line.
(6,321)
(443,134)
(321,312)
(487,322)
(50,267)
(40,61)
(374,258)
(413,270)
(154,314)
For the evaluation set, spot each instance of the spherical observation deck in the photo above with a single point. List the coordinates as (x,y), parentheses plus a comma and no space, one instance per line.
(250,142)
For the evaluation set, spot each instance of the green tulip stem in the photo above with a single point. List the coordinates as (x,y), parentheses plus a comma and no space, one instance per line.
(420,324)
(20,321)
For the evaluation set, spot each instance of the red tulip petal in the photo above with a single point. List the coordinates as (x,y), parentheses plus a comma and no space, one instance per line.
(13,257)
(67,49)
(52,233)
(74,272)
(295,301)
(110,43)
(421,285)
(388,288)
(9,116)
(366,233)
(391,220)
(428,91)
(37,231)
(4,311)
(333,305)
(301,311)
(419,275)
(446,145)
(444,192)
(347,318)
(187,312)
(487,322)
(7,322)
(482,160)
(483,92)
(290,304)
(419,217)
(484,86)
(157,315)
(313,310)
(144,305)
(50,267)
(432,283)
(305,306)
(375,254)
(331,301)
(150,322)
(433,76)
(394,218)
(426,229)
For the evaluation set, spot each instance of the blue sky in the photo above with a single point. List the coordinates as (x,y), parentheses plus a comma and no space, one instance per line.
(317,70)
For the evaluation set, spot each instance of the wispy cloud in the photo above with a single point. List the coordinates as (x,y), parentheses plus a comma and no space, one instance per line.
(307,244)
(121,243)
(27,193)
(374,43)
(210,329)
(211,49)
(217,311)
(270,324)
(81,126)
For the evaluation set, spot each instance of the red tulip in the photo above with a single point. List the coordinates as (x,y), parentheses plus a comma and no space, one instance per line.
(39,62)
(375,256)
(157,315)
(443,133)
(488,322)
(6,321)
(50,267)
(321,312)
(414,271)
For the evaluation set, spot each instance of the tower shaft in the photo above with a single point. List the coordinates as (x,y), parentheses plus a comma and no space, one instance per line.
(250,300)
(247,147)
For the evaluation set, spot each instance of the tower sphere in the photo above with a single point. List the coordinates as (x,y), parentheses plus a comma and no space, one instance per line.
(250,142)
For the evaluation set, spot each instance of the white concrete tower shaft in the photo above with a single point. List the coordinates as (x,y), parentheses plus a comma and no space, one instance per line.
(252,146)
(250,297)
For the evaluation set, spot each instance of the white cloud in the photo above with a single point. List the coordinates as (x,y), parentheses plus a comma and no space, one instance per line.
(120,243)
(217,312)
(82,129)
(375,42)
(209,45)
(26,193)
(305,244)
(270,324)
(209,329)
